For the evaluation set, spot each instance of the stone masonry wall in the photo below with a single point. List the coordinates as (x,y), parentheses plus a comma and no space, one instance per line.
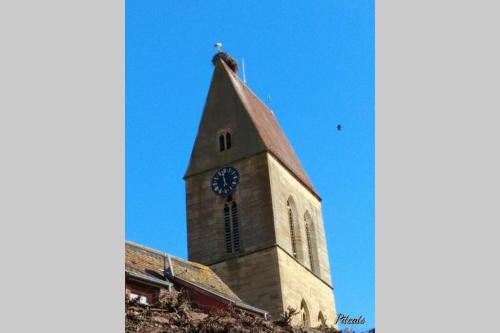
(298,285)
(255,278)
(205,220)
(283,186)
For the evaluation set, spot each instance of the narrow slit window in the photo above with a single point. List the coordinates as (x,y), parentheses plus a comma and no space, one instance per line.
(305,314)
(309,246)
(228,140)
(221,143)
(292,230)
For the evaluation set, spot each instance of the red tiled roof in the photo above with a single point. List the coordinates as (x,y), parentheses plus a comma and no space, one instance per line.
(270,131)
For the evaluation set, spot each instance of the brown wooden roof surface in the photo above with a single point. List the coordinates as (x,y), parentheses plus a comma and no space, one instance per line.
(270,131)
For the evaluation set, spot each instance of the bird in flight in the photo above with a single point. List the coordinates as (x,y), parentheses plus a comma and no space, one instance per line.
(339,127)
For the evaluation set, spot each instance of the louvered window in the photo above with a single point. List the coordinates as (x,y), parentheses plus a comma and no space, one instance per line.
(236,227)
(227,230)
(231,228)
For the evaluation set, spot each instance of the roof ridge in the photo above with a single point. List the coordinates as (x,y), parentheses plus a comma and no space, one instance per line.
(152,250)
(144,247)
(293,164)
(174,257)
(235,75)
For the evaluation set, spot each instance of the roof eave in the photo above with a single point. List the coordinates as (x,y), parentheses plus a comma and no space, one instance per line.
(154,281)
(218,295)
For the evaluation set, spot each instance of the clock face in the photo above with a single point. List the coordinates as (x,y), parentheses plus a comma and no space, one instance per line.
(225,180)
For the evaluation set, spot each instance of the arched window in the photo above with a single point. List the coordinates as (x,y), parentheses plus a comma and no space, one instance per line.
(304,312)
(311,242)
(310,248)
(296,231)
(231,227)
(321,319)
(292,228)
(225,141)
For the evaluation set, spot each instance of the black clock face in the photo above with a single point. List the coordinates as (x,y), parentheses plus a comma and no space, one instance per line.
(225,180)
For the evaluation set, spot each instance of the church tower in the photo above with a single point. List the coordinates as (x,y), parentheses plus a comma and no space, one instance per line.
(253,214)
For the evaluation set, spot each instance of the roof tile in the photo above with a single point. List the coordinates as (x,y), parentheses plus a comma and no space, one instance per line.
(144,259)
(270,131)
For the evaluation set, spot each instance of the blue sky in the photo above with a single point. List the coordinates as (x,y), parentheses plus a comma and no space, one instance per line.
(312,61)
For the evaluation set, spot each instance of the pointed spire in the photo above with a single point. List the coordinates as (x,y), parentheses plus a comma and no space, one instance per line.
(271,133)
(230,103)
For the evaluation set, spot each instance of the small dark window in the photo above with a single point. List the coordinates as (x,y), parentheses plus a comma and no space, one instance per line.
(221,142)
(225,141)
(141,298)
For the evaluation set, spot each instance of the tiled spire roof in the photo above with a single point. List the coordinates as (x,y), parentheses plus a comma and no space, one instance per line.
(269,129)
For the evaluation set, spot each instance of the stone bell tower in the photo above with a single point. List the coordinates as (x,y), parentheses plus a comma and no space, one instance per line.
(253,214)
